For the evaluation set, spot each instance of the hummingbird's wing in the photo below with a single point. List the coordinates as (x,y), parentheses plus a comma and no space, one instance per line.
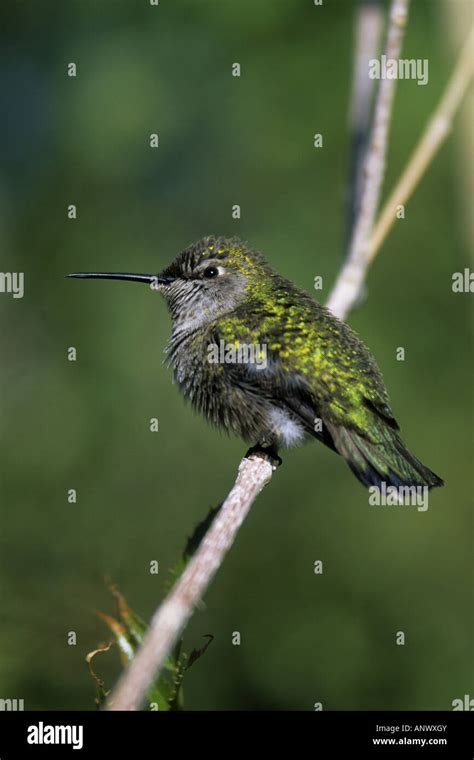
(315,364)
(317,368)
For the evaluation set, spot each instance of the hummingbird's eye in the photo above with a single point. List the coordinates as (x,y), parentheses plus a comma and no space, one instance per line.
(211,272)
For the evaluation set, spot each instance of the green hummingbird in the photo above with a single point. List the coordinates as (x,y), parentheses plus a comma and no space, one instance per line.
(262,359)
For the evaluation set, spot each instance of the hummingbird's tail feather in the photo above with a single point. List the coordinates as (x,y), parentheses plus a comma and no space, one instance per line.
(387,461)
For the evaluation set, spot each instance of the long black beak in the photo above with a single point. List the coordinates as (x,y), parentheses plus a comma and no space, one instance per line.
(149,278)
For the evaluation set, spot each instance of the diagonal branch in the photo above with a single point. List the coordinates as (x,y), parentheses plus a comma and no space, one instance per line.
(368,29)
(435,134)
(255,471)
(349,283)
(171,617)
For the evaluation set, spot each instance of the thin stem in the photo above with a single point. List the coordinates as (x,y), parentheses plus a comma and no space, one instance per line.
(349,283)
(435,134)
(368,28)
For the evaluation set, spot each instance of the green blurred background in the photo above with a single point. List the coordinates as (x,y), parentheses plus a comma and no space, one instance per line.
(305,638)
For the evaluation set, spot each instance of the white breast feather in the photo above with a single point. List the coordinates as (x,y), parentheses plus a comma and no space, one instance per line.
(289,430)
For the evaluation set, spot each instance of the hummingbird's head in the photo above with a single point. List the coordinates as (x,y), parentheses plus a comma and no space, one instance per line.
(205,281)
(209,279)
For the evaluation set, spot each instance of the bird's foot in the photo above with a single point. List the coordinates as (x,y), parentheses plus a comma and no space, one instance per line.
(269,452)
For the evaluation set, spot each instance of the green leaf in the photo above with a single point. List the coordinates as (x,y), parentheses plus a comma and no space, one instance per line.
(128,631)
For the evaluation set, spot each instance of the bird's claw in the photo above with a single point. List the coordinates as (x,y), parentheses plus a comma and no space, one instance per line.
(268,452)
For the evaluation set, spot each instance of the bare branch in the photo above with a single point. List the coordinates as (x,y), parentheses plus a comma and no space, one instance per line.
(368,29)
(436,132)
(171,617)
(349,283)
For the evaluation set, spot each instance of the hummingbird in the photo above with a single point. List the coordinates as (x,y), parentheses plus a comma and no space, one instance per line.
(264,360)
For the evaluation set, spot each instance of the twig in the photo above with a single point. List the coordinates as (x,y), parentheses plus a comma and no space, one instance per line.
(349,283)
(436,132)
(171,617)
(254,473)
(368,28)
